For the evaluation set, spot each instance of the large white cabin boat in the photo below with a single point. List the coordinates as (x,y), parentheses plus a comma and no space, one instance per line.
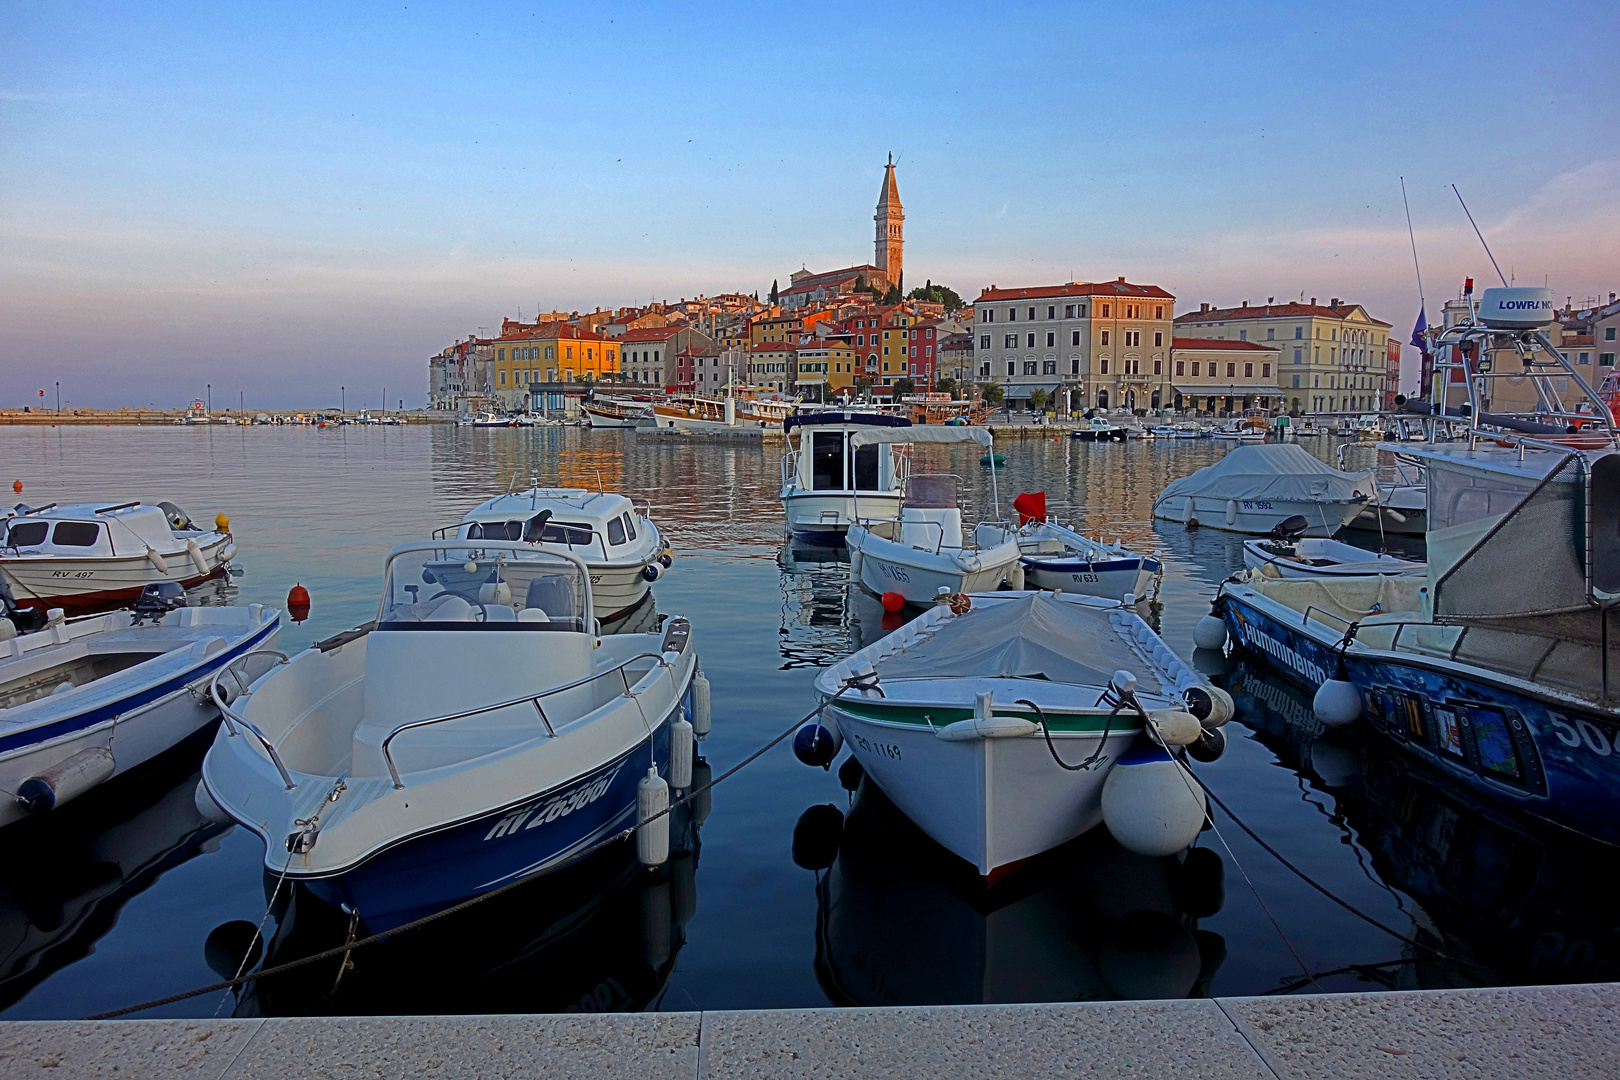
(822,473)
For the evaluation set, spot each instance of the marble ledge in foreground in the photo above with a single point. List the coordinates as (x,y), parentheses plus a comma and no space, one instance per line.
(1555,1031)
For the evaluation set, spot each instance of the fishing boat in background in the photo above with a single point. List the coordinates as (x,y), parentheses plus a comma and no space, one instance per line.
(923,550)
(1254,487)
(605,412)
(88,557)
(623,550)
(822,473)
(88,700)
(460,742)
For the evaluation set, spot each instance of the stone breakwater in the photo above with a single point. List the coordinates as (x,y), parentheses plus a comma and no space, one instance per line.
(1552,1031)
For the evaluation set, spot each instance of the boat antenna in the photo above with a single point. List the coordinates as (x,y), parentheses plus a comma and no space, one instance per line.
(1479,234)
(1413,237)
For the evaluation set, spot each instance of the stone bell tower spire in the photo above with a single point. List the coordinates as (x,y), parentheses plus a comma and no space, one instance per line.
(890,227)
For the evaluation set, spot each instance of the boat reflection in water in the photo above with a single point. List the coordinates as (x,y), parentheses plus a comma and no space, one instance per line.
(823,619)
(1510,899)
(900,922)
(599,936)
(72,871)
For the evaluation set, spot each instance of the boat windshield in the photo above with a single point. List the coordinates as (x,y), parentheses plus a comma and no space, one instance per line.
(504,586)
(935,490)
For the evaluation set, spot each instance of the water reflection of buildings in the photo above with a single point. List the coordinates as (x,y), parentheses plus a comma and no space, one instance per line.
(824,617)
(1509,900)
(601,936)
(898,925)
(70,874)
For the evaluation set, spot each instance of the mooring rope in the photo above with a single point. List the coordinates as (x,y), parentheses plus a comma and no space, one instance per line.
(349,947)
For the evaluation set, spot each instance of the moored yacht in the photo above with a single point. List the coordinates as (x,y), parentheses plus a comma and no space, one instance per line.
(1254,487)
(1099,429)
(823,473)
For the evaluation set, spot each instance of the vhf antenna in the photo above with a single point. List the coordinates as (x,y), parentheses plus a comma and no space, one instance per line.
(1479,234)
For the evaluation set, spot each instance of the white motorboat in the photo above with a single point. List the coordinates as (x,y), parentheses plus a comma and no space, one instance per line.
(458,743)
(1254,487)
(622,548)
(1189,430)
(1287,554)
(822,473)
(1240,431)
(87,556)
(997,729)
(486,419)
(1400,500)
(1099,429)
(922,551)
(1164,431)
(87,700)
(1058,558)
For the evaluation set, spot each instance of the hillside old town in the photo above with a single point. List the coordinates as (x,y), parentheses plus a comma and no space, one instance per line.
(858,333)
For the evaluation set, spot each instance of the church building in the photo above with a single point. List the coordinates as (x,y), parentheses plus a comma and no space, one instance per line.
(888,261)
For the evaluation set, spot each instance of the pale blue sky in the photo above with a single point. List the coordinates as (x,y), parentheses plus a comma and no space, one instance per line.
(278,198)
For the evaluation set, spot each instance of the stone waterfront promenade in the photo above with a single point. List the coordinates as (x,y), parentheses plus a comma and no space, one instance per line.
(1559,1031)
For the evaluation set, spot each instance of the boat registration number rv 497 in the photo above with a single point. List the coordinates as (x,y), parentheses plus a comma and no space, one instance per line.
(550,808)
(72,573)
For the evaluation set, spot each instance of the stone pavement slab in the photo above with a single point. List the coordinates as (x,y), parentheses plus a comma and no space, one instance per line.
(1566,1031)
(136,1049)
(606,1046)
(1107,1039)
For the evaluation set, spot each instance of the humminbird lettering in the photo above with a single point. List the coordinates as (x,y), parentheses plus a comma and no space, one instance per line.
(1269,645)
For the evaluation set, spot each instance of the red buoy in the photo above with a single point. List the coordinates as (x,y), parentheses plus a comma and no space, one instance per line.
(298,603)
(16,485)
(893,601)
(893,620)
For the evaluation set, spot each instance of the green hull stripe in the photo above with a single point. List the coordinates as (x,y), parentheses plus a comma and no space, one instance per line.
(939,716)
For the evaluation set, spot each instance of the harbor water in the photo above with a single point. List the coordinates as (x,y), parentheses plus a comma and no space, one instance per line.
(128,895)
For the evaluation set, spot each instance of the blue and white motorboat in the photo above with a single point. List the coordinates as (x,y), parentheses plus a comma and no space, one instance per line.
(823,474)
(1055,557)
(85,700)
(1099,429)
(467,739)
(1498,664)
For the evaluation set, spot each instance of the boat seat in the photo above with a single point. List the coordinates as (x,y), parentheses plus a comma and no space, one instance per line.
(500,613)
(552,595)
(533,614)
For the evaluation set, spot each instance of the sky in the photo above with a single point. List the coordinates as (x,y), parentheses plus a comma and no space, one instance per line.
(293,202)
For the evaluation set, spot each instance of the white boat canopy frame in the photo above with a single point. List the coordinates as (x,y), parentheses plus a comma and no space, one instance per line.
(928,434)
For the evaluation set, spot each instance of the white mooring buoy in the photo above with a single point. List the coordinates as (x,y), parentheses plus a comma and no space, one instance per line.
(1209,632)
(1337,702)
(652,832)
(700,704)
(1149,806)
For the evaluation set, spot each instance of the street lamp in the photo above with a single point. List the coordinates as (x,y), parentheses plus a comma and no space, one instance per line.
(343,400)
(58,399)
(210,396)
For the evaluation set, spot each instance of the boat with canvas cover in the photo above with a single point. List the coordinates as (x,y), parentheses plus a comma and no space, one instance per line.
(1253,487)
(622,548)
(1497,665)
(923,549)
(455,745)
(90,556)
(822,473)
(963,716)
(85,700)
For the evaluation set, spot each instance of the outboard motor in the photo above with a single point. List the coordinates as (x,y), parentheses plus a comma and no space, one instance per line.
(26,620)
(1290,529)
(178,518)
(157,600)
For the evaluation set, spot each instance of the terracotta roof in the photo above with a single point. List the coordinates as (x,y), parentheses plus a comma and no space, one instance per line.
(1289,310)
(774,346)
(1216,343)
(552,331)
(1576,340)
(650,333)
(1076,288)
(831,277)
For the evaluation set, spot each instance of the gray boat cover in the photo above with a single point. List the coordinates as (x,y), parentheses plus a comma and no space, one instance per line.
(1270,471)
(1034,636)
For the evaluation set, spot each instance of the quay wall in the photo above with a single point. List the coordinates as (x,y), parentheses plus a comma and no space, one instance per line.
(1526,1032)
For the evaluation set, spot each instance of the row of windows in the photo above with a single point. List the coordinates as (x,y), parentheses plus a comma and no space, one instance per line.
(1231,370)
(1354,337)
(642,357)
(1132,337)
(1075,311)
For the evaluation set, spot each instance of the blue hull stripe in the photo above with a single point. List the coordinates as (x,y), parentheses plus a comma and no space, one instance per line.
(1080,566)
(100,715)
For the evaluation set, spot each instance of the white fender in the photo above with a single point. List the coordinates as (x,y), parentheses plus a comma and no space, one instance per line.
(993,727)
(1175,727)
(197,558)
(1231,511)
(157,561)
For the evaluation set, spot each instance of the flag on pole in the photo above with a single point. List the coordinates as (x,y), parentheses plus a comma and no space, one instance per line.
(1418,332)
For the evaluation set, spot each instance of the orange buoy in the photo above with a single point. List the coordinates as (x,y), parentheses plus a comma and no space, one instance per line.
(298,602)
(16,485)
(893,601)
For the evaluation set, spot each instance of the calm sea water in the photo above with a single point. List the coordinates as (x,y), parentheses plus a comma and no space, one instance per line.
(113,900)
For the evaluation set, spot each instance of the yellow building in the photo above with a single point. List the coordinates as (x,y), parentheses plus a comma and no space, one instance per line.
(551,352)
(1223,376)
(1332,357)
(829,365)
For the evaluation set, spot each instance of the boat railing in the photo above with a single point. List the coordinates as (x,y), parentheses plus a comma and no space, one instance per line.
(531,699)
(790,467)
(229,715)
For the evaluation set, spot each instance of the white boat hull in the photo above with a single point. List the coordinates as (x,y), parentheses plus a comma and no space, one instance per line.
(607,420)
(1258,517)
(1324,559)
(992,802)
(1088,581)
(812,512)
(883,566)
(104,581)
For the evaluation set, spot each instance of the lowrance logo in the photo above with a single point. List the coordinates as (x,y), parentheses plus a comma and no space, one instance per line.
(1524,305)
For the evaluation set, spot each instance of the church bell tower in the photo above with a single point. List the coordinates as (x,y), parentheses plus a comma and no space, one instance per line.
(890,228)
